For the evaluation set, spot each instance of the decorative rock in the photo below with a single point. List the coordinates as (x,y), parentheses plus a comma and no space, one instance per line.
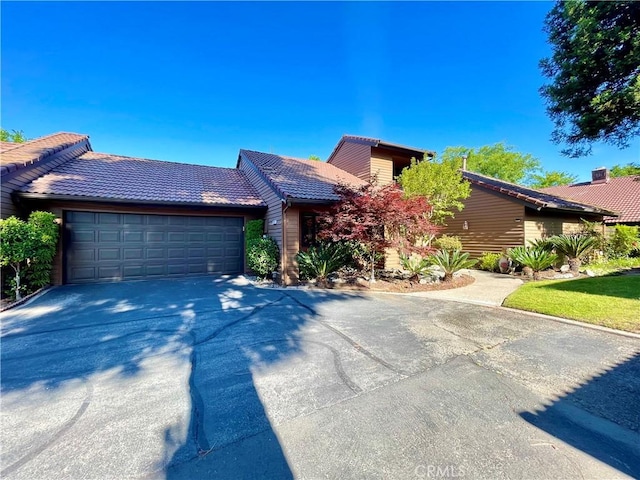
(558,276)
(338,281)
(564,268)
(590,273)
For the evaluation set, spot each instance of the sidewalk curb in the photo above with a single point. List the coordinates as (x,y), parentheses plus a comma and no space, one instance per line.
(574,323)
(28,299)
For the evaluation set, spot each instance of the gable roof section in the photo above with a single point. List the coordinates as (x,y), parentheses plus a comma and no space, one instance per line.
(531,197)
(17,156)
(375,142)
(104,177)
(620,194)
(297,180)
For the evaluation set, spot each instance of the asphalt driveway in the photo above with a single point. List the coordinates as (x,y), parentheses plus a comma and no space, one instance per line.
(213,378)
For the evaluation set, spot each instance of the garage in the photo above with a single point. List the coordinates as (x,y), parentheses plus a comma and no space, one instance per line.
(105,247)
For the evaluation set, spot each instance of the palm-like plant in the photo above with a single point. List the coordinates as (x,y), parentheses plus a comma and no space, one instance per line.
(415,264)
(320,261)
(575,247)
(451,262)
(537,259)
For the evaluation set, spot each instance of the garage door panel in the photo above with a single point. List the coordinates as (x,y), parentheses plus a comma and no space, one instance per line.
(109,236)
(155,253)
(118,246)
(133,236)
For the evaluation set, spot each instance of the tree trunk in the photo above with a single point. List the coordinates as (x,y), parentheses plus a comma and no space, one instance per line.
(373,267)
(574,265)
(18,294)
(448,276)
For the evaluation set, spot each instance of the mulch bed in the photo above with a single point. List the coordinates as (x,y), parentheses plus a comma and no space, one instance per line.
(398,285)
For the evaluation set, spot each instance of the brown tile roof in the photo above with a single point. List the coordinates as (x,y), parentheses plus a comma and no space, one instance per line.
(620,194)
(376,142)
(101,176)
(297,179)
(535,198)
(14,156)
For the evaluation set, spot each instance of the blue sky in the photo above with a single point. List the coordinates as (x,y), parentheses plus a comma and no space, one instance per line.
(195,82)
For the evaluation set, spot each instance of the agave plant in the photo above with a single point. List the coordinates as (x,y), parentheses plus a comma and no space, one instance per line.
(319,262)
(415,264)
(536,259)
(451,262)
(575,247)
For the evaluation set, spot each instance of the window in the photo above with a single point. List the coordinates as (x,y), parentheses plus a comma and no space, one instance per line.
(308,229)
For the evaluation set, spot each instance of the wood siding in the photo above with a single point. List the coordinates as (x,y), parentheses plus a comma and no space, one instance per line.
(292,245)
(273,218)
(58,208)
(353,158)
(542,225)
(491,220)
(382,169)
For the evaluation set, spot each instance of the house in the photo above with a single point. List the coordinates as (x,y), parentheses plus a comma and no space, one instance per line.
(126,218)
(620,194)
(497,215)
(500,215)
(129,218)
(294,190)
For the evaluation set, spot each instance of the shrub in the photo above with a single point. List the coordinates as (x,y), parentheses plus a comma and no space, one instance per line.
(449,243)
(451,262)
(623,241)
(253,230)
(38,272)
(415,264)
(489,261)
(320,261)
(263,256)
(28,248)
(575,247)
(536,259)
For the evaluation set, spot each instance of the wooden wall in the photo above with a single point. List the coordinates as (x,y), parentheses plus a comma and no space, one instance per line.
(353,158)
(492,223)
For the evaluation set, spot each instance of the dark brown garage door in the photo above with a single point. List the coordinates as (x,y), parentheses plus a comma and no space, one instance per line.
(102,247)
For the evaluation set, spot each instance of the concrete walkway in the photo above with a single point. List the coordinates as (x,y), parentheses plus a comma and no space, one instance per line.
(488,289)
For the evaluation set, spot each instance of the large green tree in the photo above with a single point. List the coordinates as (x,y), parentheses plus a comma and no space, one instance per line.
(594,94)
(625,170)
(441,182)
(552,178)
(498,161)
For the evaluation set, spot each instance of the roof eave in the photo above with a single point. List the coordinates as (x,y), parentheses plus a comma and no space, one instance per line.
(82,198)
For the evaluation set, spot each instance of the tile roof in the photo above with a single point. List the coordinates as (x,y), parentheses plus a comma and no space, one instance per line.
(297,179)
(112,177)
(620,194)
(14,156)
(536,198)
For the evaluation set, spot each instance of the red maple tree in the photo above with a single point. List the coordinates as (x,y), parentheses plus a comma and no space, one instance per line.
(379,218)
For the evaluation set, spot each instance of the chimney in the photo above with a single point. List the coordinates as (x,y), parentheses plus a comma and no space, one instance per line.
(464,163)
(599,175)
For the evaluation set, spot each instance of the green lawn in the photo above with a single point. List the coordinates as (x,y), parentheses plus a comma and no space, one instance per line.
(610,301)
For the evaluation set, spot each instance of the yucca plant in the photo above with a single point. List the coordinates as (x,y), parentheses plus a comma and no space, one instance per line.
(321,261)
(415,264)
(536,259)
(542,244)
(575,247)
(451,262)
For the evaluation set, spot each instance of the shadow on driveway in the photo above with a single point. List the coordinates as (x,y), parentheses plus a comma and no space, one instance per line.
(169,362)
(613,395)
